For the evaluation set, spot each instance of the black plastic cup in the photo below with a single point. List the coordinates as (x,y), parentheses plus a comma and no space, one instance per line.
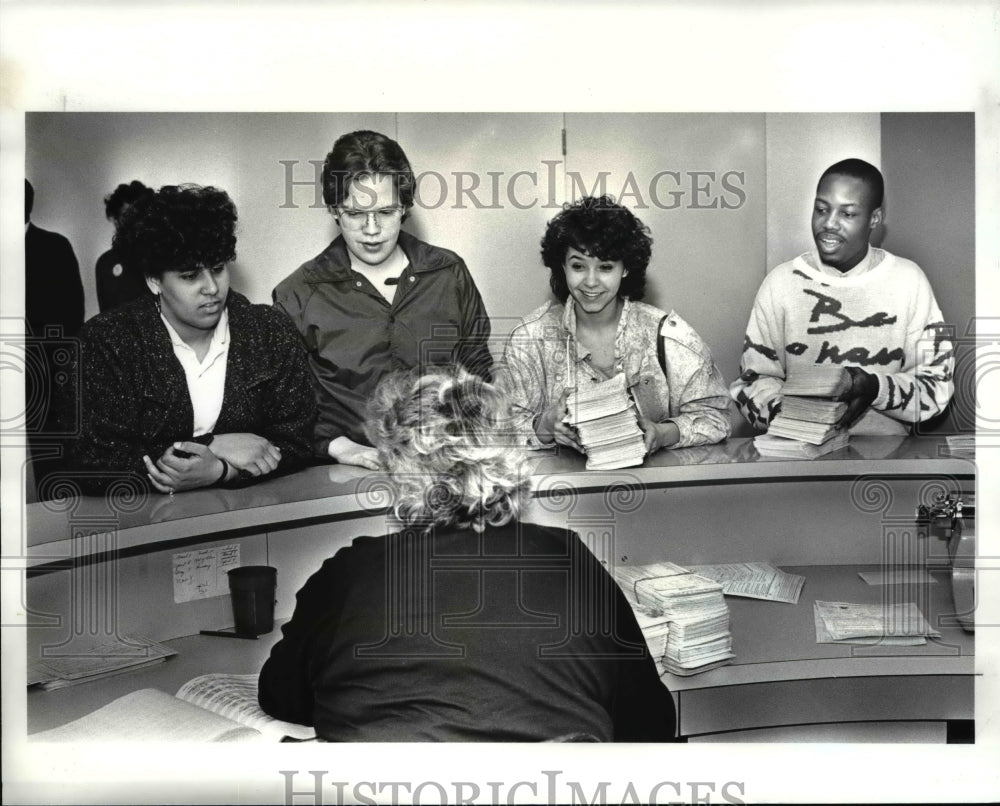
(252,588)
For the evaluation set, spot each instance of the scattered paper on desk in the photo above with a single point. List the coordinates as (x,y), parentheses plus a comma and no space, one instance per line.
(882,624)
(85,659)
(201,573)
(850,620)
(754,581)
(37,671)
(899,576)
(148,715)
(823,636)
(963,445)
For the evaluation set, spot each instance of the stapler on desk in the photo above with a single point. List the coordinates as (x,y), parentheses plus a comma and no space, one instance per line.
(952,517)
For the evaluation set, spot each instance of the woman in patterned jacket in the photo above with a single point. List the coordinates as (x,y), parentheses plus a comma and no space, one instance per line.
(597,253)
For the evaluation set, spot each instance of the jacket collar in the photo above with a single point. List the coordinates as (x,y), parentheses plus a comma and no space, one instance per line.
(244,367)
(156,338)
(159,351)
(568,324)
(333,264)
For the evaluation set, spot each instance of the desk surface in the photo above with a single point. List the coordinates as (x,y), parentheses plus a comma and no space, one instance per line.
(773,642)
(777,641)
(336,492)
(196,655)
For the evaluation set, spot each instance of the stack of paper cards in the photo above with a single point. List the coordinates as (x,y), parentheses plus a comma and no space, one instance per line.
(812,409)
(93,658)
(606,422)
(698,637)
(961,445)
(805,427)
(882,624)
(654,625)
(802,430)
(784,448)
(814,380)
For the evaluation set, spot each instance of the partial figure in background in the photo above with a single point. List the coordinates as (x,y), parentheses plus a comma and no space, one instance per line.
(116,282)
(848,304)
(53,308)
(190,385)
(377,299)
(597,253)
(467,624)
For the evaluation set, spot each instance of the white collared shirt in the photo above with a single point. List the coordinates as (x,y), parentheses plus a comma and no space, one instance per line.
(206,380)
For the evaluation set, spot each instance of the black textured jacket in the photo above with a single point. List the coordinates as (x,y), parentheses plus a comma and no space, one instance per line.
(133,397)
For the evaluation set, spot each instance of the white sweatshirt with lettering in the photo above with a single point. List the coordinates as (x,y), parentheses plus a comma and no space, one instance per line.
(885,321)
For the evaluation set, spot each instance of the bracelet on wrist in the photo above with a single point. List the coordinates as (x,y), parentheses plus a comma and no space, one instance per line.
(224,474)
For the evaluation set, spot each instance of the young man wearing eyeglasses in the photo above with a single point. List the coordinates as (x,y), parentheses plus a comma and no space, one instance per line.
(377,299)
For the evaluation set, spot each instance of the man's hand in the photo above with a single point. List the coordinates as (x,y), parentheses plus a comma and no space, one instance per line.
(248,452)
(858,389)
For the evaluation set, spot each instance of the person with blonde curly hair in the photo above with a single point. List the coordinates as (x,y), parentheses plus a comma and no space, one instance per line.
(465,623)
(440,436)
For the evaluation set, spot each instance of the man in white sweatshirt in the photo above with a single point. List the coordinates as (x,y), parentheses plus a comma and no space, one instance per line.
(846,303)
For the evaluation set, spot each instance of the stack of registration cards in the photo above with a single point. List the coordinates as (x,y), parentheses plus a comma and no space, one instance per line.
(683,616)
(883,624)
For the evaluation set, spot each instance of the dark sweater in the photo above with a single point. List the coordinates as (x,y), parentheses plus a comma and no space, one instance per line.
(133,397)
(518,634)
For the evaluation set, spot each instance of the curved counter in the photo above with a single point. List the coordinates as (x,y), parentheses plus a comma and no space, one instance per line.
(824,518)
(328,493)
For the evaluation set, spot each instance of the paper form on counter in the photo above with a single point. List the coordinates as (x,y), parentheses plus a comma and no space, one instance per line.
(88,658)
(898,576)
(754,580)
(888,624)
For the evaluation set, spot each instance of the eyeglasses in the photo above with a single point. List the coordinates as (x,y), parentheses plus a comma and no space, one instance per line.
(356,219)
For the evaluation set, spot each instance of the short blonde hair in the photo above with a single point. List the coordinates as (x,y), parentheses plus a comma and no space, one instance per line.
(440,436)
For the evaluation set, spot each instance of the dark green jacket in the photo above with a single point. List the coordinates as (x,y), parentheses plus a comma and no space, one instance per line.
(354,336)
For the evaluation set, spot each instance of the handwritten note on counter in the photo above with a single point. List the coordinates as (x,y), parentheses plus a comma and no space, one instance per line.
(201,573)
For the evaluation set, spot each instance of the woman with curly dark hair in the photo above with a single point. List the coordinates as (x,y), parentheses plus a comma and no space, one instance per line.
(597,253)
(190,385)
(468,623)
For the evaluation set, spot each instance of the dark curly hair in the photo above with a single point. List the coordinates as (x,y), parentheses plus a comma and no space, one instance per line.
(122,195)
(600,227)
(177,228)
(366,153)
